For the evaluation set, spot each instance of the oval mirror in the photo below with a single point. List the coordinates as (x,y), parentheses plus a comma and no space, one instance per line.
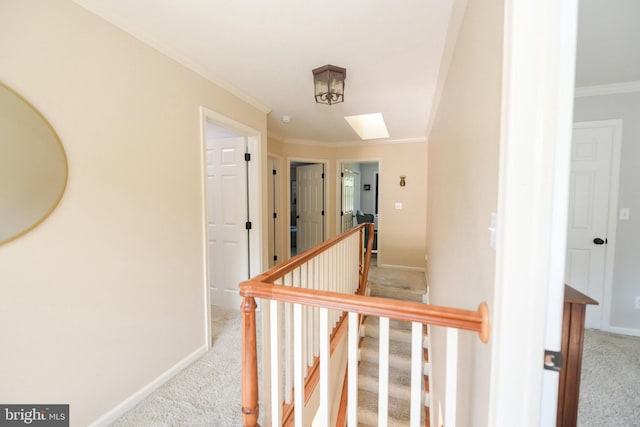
(33,166)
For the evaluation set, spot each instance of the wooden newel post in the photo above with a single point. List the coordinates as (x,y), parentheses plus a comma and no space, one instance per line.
(249,363)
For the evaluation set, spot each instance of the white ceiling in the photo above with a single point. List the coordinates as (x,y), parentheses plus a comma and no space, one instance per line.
(267,49)
(264,51)
(608,42)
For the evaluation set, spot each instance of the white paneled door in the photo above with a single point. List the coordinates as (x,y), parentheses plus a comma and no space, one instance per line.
(594,172)
(348,200)
(310,213)
(227,211)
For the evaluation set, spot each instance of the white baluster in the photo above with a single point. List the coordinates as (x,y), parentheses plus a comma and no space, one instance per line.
(323,410)
(298,374)
(451,379)
(352,400)
(417,377)
(276,363)
(383,373)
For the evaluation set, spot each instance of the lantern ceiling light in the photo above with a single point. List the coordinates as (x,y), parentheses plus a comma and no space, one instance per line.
(328,81)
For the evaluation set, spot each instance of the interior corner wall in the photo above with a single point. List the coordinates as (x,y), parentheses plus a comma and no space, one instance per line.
(108,293)
(626,272)
(462,193)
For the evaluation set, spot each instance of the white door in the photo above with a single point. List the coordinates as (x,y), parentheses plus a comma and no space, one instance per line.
(310,198)
(227,219)
(589,234)
(348,200)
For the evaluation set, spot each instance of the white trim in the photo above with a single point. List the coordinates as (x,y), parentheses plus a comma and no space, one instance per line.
(624,331)
(339,165)
(205,229)
(255,199)
(612,217)
(327,172)
(120,409)
(402,267)
(608,89)
(282,220)
(537,101)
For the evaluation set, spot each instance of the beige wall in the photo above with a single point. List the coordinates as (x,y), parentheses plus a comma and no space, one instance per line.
(106,294)
(463,183)
(401,240)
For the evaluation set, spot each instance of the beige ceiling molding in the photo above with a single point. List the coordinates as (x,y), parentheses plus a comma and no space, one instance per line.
(352,143)
(610,89)
(98,9)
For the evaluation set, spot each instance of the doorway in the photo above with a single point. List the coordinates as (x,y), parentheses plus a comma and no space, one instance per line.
(359,194)
(306,205)
(231,175)
(593,203)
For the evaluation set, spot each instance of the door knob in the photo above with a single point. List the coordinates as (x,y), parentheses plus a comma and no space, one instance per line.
(599,241)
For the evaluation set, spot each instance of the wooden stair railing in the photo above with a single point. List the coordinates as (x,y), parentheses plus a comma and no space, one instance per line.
(263,287)
(275,276)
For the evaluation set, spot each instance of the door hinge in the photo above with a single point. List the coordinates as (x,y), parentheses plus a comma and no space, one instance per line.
(341,213)
(247,225)
(275,215)
(341,174)
(247,157)
(322,213)
(275,257)
(274,172)
(552,360)
(322,175)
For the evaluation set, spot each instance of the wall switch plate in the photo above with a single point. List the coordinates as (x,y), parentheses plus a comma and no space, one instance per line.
(624,214)
(637,306)
(398,205)
(493,228)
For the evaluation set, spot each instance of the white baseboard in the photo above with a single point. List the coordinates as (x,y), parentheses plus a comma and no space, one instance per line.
(401,267)
(145,391)
(624,331)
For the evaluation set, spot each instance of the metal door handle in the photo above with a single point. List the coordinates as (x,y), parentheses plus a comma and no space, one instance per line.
(599,241)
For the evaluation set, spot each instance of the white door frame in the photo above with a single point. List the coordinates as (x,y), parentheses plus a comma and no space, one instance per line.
(339,165)
(538,72)
(279,229)
(254,147)
(612,219)
(327,172)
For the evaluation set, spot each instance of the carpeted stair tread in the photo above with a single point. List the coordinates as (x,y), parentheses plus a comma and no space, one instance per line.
(403,286)
(398,414)
(395,293)
(399,380)
(399,325)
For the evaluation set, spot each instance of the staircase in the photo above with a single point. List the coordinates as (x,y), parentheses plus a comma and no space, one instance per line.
(401,285)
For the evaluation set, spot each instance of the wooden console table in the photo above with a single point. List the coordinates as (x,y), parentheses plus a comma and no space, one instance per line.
(575,304)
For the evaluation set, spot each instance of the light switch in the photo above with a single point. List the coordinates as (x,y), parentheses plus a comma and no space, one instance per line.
(493,228)
(398,205)
(624,214)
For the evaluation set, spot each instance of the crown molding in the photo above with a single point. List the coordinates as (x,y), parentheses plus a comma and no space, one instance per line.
(119,22)
(609,89)
(310,142)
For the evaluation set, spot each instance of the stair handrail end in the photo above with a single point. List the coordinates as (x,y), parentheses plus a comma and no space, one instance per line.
(485,327)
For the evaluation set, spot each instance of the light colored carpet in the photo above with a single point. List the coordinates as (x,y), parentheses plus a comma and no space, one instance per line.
(610,381)
(206,393)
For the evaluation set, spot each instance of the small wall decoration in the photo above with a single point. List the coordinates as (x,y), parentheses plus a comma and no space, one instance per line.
(367,187)
(403,181)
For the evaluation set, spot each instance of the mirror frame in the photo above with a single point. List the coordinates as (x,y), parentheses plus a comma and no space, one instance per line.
(58,142)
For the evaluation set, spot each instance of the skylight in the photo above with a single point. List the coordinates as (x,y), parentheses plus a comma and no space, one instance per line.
(368,126)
